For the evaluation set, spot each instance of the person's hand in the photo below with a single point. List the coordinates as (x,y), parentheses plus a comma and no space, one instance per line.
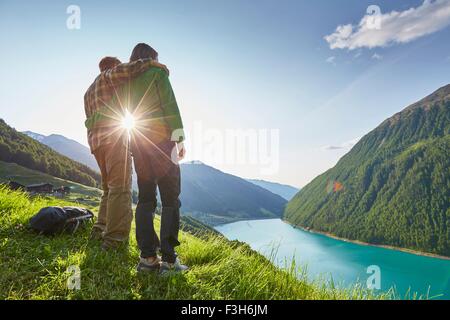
(181,151)
(160,65)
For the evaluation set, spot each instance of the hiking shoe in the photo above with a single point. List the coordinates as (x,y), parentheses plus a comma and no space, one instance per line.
(96,234)
(145,265)
(172,267)
(108,245)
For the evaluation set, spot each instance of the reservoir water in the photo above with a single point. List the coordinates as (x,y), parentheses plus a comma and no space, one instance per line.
(346,263)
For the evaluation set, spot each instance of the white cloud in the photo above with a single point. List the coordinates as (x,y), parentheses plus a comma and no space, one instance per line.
(395,27)
(377,56)
(345,145)
(331,147)
(331,60)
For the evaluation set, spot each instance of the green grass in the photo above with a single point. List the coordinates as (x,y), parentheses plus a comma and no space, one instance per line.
(35,267)
(25,176)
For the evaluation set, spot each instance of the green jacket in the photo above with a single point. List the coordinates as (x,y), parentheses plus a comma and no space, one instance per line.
(150,99)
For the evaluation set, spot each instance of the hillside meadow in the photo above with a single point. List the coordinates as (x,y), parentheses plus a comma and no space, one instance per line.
(36,267)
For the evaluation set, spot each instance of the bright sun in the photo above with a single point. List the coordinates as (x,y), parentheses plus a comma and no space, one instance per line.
(128,121)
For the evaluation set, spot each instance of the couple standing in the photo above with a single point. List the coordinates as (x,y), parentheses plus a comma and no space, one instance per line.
(138,90)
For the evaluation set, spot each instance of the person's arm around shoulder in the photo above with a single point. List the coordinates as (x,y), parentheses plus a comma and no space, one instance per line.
(124,71)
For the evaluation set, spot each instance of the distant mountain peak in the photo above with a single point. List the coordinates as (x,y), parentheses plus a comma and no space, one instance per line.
(285,191)
(197,162)
(59,136)
(215,197)
(65,146)
(36,136)
(26,150)
(441,95)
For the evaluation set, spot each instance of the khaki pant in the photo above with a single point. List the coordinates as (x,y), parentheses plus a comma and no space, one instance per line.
(115,214)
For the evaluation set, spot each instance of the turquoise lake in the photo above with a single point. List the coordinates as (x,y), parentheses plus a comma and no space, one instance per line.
(346,263)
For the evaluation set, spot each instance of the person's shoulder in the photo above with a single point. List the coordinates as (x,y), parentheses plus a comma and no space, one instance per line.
(163,77)
(99,78)
(153,72)
(93,85)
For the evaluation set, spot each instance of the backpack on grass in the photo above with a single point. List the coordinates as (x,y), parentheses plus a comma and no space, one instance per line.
(55,220)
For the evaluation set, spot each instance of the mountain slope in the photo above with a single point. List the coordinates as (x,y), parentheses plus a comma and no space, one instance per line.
(393,187)
(18,148)
(215,197)
(24,176)
(197,228)
(283,190)
(68,147)
(36,267)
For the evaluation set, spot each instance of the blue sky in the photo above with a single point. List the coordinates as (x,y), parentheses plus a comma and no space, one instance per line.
(296,66)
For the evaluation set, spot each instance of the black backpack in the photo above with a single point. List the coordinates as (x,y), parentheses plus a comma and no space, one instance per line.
(54,220)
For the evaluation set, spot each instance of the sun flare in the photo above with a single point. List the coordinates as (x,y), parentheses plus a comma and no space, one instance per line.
(128,121)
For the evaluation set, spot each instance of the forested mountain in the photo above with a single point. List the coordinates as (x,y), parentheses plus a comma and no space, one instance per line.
(215,197)
(393,187)
(18,148)
(283,190)
(67,147)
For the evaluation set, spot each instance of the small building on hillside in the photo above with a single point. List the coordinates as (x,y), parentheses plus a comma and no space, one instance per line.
(62,191)
(40,188)
(13,185)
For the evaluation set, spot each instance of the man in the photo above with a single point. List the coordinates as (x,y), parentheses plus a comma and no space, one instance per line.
(109,144)
(157,145)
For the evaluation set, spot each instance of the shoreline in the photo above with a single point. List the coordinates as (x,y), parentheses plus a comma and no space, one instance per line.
(240,220)
(384,246)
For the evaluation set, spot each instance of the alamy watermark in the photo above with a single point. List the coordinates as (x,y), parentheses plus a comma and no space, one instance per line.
(74,279)
(258,148)
(373,21)
(73,21)
(374,280)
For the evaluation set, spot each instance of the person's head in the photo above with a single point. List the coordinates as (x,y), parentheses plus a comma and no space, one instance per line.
(108,63)
(143,51)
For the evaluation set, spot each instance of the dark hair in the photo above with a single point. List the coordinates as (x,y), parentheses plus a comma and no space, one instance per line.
(108,63)
(143,51)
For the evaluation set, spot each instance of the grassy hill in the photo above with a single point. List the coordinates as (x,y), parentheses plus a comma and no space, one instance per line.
(14,172)
(196,227)
(81,194)
(35,267)
(16,147)
(392,188)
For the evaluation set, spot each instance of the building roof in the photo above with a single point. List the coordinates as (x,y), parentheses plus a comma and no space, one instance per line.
(39,185)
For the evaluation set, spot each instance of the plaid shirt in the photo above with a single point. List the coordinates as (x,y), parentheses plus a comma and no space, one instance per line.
(98,99)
